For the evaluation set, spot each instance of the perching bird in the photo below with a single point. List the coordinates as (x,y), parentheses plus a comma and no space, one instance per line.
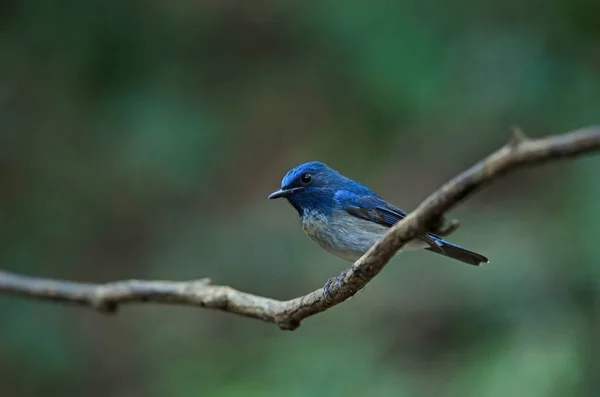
(346,218)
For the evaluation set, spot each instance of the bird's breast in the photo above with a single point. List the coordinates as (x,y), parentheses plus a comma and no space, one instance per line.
(341,233)
(314,224)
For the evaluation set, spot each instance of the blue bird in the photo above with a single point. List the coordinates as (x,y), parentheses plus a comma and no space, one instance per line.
(346,218)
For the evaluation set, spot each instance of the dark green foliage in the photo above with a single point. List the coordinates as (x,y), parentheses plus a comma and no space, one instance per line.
(140,140)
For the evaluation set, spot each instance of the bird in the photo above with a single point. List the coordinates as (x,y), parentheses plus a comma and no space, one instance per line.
(346,218)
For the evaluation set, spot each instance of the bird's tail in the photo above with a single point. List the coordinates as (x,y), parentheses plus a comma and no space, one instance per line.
(459,253)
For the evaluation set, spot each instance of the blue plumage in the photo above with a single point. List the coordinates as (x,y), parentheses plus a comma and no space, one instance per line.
(346,218)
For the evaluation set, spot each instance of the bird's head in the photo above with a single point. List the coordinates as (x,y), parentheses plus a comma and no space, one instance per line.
(310,186)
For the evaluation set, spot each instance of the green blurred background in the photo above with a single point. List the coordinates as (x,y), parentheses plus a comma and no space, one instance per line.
(140,140)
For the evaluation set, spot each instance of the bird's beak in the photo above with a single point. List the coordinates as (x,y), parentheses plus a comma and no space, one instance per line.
(283,192)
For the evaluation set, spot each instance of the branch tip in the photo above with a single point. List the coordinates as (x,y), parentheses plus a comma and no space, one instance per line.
(518,137)
(288,315)
(444,228)
(104,306)
(287,324)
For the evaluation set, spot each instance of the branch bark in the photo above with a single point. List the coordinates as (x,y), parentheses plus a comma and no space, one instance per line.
(519,152)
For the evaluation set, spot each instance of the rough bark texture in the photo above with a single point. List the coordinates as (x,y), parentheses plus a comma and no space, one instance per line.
(519,152)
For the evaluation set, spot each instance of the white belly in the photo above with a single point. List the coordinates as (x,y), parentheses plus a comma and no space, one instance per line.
(347,236)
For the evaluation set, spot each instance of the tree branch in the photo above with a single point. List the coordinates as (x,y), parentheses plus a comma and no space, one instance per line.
(519,152)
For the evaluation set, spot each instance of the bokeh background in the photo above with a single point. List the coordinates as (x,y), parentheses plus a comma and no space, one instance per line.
(140,139)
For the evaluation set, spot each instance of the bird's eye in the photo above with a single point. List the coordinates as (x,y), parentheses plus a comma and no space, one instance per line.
(306,178)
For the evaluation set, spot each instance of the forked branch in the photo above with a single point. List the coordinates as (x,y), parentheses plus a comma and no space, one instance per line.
(518,153)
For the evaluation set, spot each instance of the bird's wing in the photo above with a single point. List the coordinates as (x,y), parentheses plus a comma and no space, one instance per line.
(375,209)
(369,207)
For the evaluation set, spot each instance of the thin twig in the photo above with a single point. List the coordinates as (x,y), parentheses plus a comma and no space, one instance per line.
(519,152)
